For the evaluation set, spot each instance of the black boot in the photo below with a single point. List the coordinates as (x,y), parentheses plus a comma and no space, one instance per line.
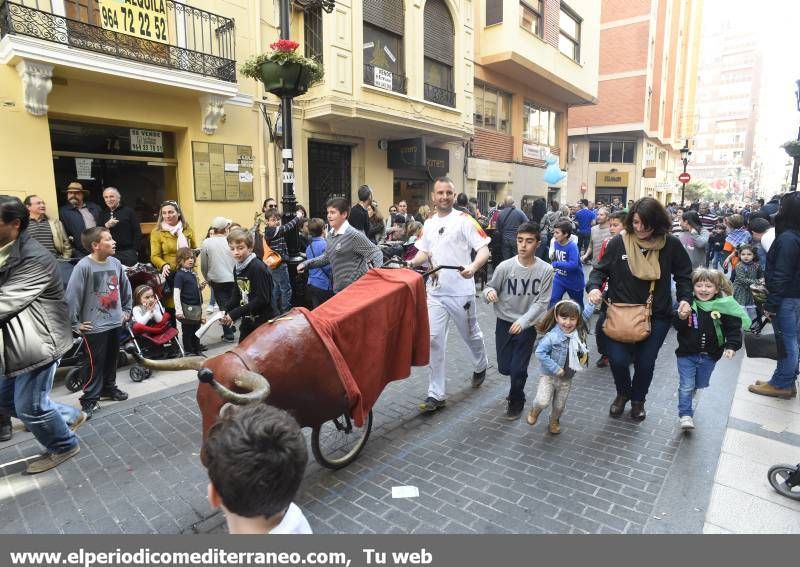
(618,406)
(5,428)
(637,411)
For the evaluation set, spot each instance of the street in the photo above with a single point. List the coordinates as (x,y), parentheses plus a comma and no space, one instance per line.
(138,470)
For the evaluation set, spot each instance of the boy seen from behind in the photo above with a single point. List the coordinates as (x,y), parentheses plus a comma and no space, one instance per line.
(256,456)
(520,290)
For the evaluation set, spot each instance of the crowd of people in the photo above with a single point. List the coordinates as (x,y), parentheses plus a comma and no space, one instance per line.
(652,269)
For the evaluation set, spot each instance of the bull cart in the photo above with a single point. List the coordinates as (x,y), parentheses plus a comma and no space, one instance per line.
(326,367)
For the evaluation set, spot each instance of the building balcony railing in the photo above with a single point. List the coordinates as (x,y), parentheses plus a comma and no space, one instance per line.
(186,38)
(439,95)
(380,78)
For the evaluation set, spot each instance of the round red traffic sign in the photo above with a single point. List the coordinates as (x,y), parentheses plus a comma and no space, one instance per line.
(684,177)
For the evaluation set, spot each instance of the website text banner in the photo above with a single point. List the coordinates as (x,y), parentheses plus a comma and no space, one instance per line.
(393,551)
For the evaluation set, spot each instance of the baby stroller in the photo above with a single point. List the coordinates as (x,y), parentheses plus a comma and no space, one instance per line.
(153,341)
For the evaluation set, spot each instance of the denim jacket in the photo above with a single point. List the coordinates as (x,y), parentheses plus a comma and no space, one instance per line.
(554,346)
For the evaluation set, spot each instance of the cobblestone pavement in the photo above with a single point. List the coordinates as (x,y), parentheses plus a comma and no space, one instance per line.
(138,470)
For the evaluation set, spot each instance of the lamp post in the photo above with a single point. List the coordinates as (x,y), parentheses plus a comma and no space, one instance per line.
(796,167)
(685,153)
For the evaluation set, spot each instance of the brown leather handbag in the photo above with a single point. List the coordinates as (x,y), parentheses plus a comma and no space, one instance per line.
(629,322)
(271,258)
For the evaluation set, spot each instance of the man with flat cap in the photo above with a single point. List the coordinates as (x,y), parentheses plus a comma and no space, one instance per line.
(78,215)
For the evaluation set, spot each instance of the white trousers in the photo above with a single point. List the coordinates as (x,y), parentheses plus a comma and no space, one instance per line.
(462,311)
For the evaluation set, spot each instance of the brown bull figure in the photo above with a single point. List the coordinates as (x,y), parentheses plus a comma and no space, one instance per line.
(285,360)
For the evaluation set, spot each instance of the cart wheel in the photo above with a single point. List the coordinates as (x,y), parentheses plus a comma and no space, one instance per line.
(778,475)
(122,359)
(76,378)
(337,443)
(138,373)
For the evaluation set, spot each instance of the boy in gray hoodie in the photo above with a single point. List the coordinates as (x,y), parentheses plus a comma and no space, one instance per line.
(520,290)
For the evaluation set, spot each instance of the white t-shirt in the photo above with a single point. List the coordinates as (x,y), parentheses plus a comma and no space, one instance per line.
(293,522)
(449,240)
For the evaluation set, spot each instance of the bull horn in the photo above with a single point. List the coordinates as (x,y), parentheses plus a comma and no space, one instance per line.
(245,379)
(186,363)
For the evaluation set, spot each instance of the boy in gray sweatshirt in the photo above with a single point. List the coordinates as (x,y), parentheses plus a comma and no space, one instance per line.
(99,301)
(520,290)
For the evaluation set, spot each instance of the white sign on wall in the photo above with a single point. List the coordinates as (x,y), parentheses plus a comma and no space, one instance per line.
(83,168)
(535,151)
(382,79)
(150,141)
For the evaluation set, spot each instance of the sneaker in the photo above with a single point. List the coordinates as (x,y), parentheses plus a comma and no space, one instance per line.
(602,362)
(90,409)
(478,378)
(431,404)
(51,460)
(767,389)
(115,395)
(514,411)
(80,420)
(228,339)
(687,422)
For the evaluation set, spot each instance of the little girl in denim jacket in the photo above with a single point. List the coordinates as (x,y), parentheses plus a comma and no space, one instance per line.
(561,352)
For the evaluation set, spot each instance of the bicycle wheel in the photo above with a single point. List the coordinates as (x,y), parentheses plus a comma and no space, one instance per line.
(778,475)
(337,443)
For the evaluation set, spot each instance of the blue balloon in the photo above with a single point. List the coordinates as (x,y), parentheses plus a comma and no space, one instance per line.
(553,173)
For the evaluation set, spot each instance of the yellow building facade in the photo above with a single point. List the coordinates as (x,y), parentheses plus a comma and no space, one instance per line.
(160,111)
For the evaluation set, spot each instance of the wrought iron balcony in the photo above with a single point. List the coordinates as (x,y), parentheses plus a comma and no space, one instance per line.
(398,80)
(439,95)
(187,38)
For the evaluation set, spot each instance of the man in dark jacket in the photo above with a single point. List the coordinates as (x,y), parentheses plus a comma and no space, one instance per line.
(507,224)
(124,227)
(77,216)
(359,213)
(35,331)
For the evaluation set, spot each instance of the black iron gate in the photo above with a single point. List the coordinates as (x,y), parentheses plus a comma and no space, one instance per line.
(328,175)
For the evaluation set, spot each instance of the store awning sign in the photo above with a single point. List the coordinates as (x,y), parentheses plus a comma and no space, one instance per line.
(145,19)
(437,161)
(147,141)
(611,179)
(406,153)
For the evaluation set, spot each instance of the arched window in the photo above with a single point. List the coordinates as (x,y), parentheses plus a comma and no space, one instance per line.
(439,53)
(384,27)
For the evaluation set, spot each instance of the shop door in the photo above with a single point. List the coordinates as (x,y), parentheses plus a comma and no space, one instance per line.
(607,194)
(328,175)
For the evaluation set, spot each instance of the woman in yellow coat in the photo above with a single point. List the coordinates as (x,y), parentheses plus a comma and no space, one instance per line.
(172,232)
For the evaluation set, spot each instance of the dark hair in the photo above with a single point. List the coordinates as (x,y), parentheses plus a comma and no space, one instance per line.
(584,202)
(444,179)
(529,228)
(256,456)
(693,218)
(238,235)
(315,227)
(735,221)
(566,308)
(11,209)
(564,226)
(462,200)
(652,214)
(618,215)
(492,204)
(364,192)
(554,205)
(27,200)
(92,235)
(743,247)
(182,255)
(272,214)
(339,204)
(788,217)
(140,291)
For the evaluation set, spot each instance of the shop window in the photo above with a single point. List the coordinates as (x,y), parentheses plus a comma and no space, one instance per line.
(492,108)
(384,29)
(439,54)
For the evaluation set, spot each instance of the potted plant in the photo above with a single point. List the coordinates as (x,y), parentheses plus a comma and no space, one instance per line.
(792,148)
(283,71)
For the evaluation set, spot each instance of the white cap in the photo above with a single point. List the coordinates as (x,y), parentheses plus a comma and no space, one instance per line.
(220,223)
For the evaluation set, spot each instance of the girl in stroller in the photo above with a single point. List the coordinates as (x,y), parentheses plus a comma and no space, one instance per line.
(150,318)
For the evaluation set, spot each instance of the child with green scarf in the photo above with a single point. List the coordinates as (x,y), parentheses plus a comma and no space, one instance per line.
(712,330)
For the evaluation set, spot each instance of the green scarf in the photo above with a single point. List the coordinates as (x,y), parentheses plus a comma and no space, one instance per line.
(722,306)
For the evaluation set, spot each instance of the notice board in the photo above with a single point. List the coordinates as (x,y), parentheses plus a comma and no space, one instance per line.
(222,172)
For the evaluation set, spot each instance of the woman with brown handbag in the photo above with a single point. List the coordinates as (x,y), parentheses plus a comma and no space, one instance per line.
(638,264)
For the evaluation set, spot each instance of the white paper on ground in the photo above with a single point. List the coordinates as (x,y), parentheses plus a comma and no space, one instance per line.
(405,492)
(210,321)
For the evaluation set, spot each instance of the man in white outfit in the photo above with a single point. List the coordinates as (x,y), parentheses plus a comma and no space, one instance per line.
(448,239)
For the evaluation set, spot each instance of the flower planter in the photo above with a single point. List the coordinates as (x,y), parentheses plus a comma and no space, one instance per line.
(289,79)
(793,150)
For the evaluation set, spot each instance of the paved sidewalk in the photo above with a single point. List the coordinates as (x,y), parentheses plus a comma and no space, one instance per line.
(761,432)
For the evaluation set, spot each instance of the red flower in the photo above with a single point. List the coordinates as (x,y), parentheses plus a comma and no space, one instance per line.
(284,45)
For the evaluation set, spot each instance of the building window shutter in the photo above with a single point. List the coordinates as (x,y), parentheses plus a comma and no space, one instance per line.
(386,14)
(494,12)
(439,32)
